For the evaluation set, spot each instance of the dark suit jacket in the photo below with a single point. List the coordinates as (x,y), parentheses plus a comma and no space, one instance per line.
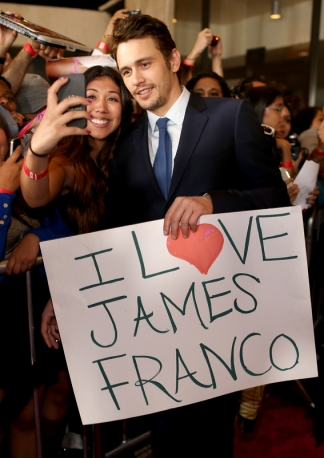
(222,151)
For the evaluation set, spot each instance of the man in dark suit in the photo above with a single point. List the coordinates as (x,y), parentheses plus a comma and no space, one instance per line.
(219,161)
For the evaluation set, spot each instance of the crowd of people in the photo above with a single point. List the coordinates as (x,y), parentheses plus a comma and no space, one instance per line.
(224,156)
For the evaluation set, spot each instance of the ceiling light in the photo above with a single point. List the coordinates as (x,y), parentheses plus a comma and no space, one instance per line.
(275,10)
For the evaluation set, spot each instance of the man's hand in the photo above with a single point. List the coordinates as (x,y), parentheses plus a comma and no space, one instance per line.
(185,212)
(24,255)
(49,328)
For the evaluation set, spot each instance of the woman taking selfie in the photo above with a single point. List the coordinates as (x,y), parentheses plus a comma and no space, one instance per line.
(71,161)
(68,167)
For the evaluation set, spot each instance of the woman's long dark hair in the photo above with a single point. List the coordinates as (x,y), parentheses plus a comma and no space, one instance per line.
(87,203)
(194,80)
(304,118)
(261,97)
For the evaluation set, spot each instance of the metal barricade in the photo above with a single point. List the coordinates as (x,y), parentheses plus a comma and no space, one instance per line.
(126,444)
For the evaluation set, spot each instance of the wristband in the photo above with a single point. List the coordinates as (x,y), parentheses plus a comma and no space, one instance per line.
(2,60)
(32,175)
(189,64)
(36,154)
(28,48)
(5,191)
(103,46)
(318,152)
(287,165)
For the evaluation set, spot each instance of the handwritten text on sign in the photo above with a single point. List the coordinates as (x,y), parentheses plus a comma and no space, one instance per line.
(144,330)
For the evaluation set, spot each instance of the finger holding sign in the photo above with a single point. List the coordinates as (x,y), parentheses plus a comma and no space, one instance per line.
(185,212)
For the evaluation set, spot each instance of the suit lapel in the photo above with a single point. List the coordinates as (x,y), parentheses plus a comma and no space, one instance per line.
(192,129)
(140,137)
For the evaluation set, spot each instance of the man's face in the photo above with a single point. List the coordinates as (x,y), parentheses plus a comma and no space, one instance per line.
(148,77)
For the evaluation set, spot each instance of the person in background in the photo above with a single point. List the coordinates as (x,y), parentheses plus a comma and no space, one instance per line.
(307,118)
(268,104)
(284,128)
(249,83)
(205,38)
(15,71)
(7,101)
(208,84)
(31,98)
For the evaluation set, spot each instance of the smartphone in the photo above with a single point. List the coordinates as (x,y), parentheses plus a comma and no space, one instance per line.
(13,145)
(73,88)
(285,175)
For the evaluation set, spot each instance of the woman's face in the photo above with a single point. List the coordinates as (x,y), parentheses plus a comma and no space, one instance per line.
(4,146)
(272,113)
(105,109)
(208,87)
(319,117)
(284,125)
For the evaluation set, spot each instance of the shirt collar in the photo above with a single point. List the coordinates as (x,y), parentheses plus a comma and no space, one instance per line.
(175,114)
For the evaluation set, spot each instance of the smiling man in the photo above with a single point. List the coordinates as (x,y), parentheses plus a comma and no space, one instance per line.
(186,157)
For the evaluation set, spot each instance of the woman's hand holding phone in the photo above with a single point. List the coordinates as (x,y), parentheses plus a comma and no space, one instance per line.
(55,124)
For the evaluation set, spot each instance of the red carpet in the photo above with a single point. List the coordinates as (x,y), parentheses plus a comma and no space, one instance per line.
(284,429)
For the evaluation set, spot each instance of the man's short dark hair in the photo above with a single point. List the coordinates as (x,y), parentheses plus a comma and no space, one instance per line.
(142,26)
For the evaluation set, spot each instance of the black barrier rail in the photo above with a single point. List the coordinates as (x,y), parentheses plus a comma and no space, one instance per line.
(127,444)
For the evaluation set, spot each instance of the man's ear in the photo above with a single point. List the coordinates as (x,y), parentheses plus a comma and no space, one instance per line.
(175,60)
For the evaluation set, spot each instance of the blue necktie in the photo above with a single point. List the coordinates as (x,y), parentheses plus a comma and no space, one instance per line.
(162,166)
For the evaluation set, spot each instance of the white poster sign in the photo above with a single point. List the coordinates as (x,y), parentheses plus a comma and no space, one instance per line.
(149,324)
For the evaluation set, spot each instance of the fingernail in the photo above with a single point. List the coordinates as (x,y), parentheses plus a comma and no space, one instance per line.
(88,131)
(89,100)
(63,77)
(91,116)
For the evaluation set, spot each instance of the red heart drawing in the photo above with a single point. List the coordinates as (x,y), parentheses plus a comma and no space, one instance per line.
(201,248)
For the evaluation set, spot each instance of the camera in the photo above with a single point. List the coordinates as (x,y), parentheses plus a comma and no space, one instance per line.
(295,148)
(214,41)
(294,145)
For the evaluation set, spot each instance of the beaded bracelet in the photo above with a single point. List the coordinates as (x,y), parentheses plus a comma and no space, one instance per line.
(32,175)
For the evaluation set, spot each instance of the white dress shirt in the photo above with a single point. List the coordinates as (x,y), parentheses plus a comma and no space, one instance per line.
(176,116)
